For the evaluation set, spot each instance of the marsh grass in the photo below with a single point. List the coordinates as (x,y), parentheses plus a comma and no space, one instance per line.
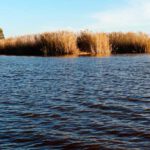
(129,42)
(94,43)
(64,43)
(47,44)
(59,43)
(23,45)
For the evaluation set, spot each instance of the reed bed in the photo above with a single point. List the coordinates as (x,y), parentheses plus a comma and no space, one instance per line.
(47,44)
(94,43)
(129,42)
(59,43)
(68,43)
(23,45)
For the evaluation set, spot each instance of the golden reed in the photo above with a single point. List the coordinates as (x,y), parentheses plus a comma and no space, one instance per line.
(129,42)
(46,44)
(68,43)
(59,43)
(94,43)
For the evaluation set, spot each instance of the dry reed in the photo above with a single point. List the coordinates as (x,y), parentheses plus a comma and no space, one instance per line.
(23,45)
(68,43)
(47,44)
(129,42)
(59,43)
(94,43)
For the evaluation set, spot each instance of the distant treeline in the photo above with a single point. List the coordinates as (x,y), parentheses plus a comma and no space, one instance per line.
(78,44)
(1,34)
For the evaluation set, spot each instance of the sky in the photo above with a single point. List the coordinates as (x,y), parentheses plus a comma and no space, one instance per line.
(19,17)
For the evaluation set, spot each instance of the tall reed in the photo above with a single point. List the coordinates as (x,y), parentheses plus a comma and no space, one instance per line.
(129,42)
(68,43)
(59,43)
(23,45)
(94,43)
(47,44)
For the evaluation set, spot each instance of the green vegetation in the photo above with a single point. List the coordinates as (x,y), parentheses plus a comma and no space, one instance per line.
(1,34)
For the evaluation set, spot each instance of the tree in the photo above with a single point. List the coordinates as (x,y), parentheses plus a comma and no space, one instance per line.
(1,34)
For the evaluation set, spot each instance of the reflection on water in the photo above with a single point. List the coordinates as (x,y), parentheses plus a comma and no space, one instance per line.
(75,103)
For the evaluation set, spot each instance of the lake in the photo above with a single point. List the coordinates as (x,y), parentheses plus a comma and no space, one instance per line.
(75,103)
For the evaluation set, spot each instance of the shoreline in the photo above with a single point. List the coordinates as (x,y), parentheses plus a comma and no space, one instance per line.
(70,44)
(79,56)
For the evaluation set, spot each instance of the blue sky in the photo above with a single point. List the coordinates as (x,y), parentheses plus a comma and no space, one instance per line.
(20,17)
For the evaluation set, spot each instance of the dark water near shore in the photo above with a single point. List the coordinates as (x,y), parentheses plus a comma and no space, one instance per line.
(75,103)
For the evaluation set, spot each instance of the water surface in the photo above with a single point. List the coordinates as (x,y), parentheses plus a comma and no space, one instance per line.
(75,103)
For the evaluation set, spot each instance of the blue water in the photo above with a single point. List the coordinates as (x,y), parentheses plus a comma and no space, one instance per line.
(75,103)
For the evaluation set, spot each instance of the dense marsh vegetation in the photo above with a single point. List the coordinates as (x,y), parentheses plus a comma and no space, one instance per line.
(59,43)
(94,43)
(47,44)
(69,43)
(129,42)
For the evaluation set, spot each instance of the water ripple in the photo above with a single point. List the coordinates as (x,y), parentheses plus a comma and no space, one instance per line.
(75,103)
